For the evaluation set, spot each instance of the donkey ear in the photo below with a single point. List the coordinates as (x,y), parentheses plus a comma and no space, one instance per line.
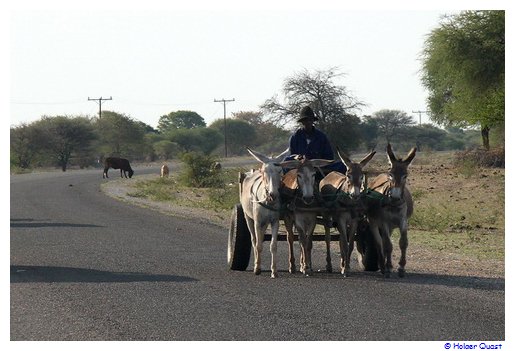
(282,155)
(320,162)
(411,155)
(290,164)
(389,152)
(258,156)
(367,158)
(345,159)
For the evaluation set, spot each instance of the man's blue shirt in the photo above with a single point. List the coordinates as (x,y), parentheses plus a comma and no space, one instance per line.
(314,145)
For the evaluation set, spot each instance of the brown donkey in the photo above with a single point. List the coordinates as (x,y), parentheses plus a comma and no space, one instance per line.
(343,193)
(391,210)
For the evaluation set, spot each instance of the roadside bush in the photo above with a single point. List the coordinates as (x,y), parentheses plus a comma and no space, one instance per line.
(198,171)
(481,158)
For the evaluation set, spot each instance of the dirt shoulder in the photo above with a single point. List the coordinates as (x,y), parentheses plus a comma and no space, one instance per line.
(121,189)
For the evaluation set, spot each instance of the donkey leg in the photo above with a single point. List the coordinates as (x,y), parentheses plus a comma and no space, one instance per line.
(252,229)
(403,244)
(387,245)
(302,244)
(288,223)
(350,235)
(379,245)
(273,248)
(327,228)
(309,244)
(260,236)
(344,247)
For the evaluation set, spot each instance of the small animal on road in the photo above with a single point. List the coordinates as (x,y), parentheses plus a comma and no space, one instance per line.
(165,171)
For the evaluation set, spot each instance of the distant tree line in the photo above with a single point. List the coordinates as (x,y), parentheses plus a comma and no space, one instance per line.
(63,141)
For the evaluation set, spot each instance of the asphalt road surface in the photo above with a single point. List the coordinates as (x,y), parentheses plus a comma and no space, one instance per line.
(85,266)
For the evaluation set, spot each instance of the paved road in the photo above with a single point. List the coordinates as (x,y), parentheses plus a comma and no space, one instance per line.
(87,267)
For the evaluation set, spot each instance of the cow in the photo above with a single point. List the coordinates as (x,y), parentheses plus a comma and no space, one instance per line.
(165,171)
(117,163)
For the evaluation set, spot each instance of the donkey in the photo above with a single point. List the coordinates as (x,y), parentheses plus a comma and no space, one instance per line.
(260,200)
(299,186)
(343,193)
(392,211)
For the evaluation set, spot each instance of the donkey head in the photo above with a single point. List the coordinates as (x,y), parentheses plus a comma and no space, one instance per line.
(306,170)
(271,172)
(398,172)
(355,176)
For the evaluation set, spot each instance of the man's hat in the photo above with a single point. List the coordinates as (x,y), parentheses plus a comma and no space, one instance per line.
(306,113)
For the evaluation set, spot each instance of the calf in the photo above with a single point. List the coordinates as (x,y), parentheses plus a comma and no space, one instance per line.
(165,171)
(117,163)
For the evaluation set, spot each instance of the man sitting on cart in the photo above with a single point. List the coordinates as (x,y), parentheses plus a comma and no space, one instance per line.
(311,143)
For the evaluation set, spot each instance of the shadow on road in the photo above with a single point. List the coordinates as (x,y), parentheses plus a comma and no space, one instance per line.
(31,223)
(46,274)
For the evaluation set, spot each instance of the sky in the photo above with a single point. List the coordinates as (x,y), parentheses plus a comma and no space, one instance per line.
(155,60)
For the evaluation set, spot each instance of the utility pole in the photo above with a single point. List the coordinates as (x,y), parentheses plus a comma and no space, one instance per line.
(225,123)
(419,115)
(100,104)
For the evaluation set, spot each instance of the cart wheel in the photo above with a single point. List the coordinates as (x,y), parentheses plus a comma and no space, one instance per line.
(239,244)
(366,247)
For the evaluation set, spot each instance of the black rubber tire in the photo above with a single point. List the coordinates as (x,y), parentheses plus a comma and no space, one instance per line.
(239,243)
(366,247)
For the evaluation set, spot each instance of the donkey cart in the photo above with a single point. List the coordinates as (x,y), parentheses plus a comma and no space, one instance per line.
(239,245)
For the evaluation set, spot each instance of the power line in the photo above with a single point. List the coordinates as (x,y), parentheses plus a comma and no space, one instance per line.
(419,115)
(100,104)
(225,123)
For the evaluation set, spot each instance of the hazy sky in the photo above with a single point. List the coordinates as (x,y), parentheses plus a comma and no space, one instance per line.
(153,61)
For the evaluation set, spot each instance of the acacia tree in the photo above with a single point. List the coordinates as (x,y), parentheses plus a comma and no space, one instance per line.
(463,70)
(118,134)
(64,136)
(390,122)
(332,104)
(180,120)
(317,89)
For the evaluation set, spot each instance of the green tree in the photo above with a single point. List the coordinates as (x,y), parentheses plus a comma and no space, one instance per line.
(463,70)
(369,132)
(63,137)
(426,136)
(269,137)
(119,135)
(22,145)
(166,149)
(239,134)
(203,140)
(180,120)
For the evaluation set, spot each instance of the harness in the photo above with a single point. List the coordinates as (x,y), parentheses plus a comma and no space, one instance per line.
(383,198)
(268,199)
